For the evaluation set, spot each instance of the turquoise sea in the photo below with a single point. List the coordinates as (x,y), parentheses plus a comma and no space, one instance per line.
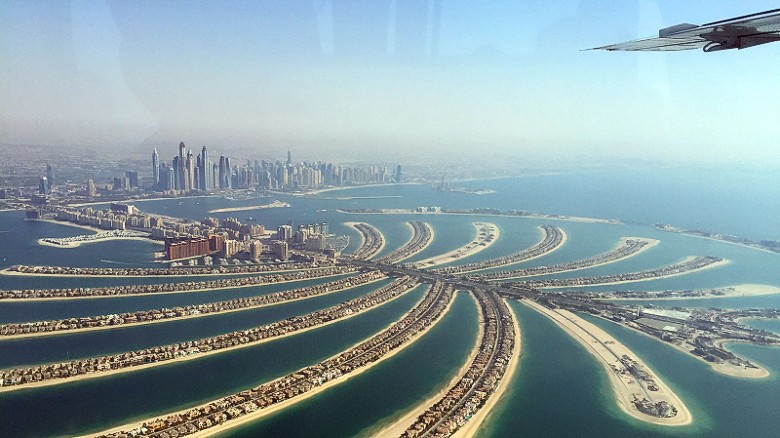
(559,390)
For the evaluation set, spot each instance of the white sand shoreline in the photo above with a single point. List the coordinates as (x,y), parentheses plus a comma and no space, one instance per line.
(474,246)
(379,233)
(91,297)
(606,283)
(398,426)
(651,243)
(411,237)
(595,340)
(471,428)
(289,402)
(529,216)
(180,318)
(71,245)
(198,355)
(739,290)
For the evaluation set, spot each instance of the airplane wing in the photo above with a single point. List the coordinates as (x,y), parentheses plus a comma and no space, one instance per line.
(734,33)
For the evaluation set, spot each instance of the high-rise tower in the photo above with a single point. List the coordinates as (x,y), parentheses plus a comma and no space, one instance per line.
(49,176)
(205,184)
(180,169)
(189,171)
(155,169)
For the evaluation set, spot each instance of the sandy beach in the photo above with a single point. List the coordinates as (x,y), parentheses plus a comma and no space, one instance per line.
(740,290)
(398,426)
(275,204)
(7,271)
(158,321)
(167,292)
(71,245)
(198,355)
(333,189)
(133,201)
(363,239)
(471,428)
(621,242)
(710,266)
(590,220)
(607,350)
(564,238)
(722,368)
(69,224)
(289,402)
(715,239)
(411,237)
(478,244)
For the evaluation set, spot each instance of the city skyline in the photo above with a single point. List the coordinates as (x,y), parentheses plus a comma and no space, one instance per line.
(424,79)
(201,174)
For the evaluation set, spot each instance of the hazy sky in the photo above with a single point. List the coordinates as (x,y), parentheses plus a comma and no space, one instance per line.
(386,78)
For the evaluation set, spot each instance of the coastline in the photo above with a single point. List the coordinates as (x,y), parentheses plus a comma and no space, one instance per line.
(591,220)
(363,239)
(739,291)
(471,428)
(587,334)
(159,198)
(333,189)
(247,418)
(275,204)
(7,271)
(194,356)
(90,297)
(741,373)
(715,239)
(606,283)
(564,239)
(68,224)
(159,321)
(398,426)
(651,243)
(464,251)
(72,245)
(422,248)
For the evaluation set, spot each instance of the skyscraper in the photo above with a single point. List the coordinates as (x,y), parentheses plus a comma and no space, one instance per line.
(177,176)
(180,169)
(228,174)
(222,184)
(91,190)
(155,170)
(132,178)
(189,172)
(170,183)
(204,165)
(398,174)
(289,158)
(43,185)
(49,176)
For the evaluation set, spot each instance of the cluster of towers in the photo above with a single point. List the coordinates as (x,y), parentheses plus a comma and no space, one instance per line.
(188,172)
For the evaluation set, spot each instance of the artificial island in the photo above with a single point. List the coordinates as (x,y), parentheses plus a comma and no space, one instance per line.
(220,254)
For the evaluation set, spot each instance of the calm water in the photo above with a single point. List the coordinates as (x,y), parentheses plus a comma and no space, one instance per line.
(559,390)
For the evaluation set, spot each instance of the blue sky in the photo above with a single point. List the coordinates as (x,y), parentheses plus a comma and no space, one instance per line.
(388,79)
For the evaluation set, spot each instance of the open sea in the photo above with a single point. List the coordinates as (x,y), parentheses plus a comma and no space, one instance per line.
(559,389)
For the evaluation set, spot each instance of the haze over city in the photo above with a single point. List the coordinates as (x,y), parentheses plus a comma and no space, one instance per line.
(391,218)
(388,79)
